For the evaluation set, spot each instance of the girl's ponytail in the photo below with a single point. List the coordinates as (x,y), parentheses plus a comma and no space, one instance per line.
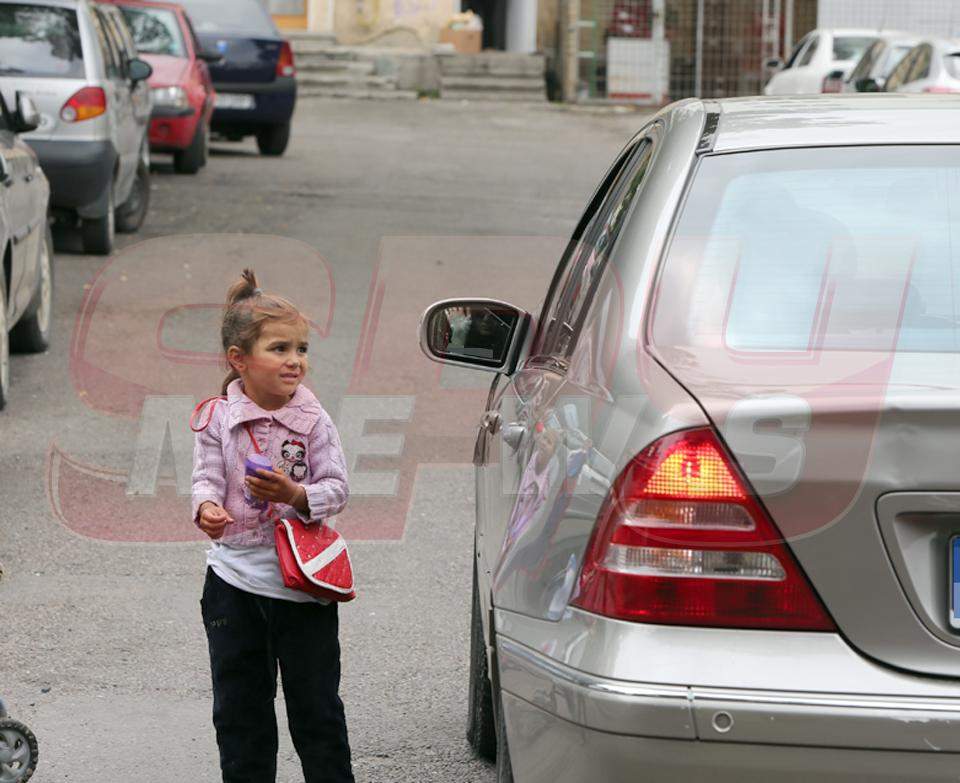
(245,288)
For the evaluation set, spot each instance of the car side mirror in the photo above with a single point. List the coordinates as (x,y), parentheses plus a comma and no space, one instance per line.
(867,85)
(139,70)
(209,56)
(483,334)
(27,117)
(774,64)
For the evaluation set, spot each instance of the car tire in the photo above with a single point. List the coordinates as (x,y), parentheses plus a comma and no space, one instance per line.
(4,347)
(504,767)
(32,334)
(132,213)
(20,742)
(481,722)
(273,139)
(99,233)
(194,157)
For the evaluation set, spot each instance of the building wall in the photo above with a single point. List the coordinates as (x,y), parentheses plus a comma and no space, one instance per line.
(927,17)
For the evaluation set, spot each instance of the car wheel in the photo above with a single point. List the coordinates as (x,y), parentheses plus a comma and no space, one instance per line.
(194,157)
(99,233)
(131,214)
(481,723)
(4,348)
(18,749)
(32,334)
(273,139)
(504,767)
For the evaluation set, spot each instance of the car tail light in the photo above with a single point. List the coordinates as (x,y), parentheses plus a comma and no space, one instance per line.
(285,65)
(85,104)
(940,90)
(682,540)
(831,84)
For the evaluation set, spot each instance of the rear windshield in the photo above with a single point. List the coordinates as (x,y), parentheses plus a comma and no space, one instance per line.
(234,17)
(155,30)
(850,48)
(817,249)
(894,56)
(40,41)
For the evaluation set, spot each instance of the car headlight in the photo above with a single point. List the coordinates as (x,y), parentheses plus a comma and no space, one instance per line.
(172,97)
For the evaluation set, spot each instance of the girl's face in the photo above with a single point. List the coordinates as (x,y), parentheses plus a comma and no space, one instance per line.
(276,365)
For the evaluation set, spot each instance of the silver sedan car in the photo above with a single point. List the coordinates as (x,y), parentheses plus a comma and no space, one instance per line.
(718,503)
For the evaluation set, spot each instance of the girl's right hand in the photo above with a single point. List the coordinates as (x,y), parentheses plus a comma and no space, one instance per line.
(212,519)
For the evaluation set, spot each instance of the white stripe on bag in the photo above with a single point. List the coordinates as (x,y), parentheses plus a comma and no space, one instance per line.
(325,558)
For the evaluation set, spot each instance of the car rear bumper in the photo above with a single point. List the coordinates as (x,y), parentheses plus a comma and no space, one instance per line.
(592,727)
(78,171)
(172,129)
(275,102)
(554,750)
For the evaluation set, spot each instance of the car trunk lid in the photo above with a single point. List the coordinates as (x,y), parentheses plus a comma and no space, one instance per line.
(245,60)
(807,302)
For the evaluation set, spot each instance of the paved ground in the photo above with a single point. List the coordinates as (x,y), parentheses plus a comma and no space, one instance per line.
(102,650)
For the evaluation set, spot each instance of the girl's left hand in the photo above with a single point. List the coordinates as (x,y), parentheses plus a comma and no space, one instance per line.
(276,486)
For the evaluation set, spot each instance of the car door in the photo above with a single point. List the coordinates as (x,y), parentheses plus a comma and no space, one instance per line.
(139,91)
(19,186)
(120,99)
(533,430)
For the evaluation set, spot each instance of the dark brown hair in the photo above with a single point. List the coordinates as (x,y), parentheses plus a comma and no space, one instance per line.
(245,313)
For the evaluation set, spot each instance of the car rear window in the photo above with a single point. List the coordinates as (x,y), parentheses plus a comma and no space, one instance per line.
(817,249)
(40,41)
(155,30)
(233,17)
(849,47)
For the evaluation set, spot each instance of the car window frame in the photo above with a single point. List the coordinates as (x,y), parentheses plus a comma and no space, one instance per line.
(810,52)
(575,274)
(120,38)
(124,33)
(904,66)
(870,58)
(112,67)
(797,51)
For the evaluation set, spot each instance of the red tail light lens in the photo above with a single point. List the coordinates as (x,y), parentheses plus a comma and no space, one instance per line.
(85,104)
(832,85)
(682,540)
(285,66)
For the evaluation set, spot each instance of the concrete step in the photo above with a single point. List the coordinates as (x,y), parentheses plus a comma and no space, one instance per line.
(308,48)
(492,63)
(345,79)
(496,96)
(355,93)
(532,84)
(323,65)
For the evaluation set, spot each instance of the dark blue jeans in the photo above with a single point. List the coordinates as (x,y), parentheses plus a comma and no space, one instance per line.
(248,635)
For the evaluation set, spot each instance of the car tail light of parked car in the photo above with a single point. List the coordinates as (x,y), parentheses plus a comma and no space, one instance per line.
(940,89)
(681,539)
(832,82)
(285,66)
(84,104)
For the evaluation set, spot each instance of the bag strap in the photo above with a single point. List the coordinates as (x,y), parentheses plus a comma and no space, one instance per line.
(199,408)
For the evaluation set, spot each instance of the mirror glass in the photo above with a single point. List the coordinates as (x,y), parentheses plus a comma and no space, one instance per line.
(139,70)
(475,332)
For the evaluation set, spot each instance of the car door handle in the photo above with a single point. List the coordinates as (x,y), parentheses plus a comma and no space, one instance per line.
(513,433)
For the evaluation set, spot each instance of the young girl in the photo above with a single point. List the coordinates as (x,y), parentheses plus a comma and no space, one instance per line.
(252,620)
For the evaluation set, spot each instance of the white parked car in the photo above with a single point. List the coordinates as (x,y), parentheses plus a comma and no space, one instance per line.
(816,56)
(931,66)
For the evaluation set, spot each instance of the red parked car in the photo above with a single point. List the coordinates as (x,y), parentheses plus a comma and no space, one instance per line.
(180,86)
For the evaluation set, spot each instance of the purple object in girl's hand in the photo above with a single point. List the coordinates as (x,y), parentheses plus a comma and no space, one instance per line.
(251,465)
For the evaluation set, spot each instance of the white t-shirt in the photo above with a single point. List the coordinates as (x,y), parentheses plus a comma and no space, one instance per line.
(255,569)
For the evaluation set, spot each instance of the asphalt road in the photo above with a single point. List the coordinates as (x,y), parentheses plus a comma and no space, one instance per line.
(375,209)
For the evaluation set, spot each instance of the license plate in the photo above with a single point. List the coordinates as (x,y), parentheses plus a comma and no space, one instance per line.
(233,100)
(954,549)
